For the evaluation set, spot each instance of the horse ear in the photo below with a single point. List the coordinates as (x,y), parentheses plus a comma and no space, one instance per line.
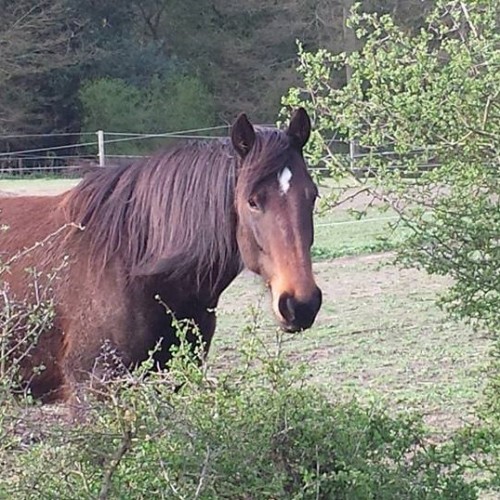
(242,135)
(299,129)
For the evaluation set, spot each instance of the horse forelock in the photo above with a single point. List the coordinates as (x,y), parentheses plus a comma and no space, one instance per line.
(267,157)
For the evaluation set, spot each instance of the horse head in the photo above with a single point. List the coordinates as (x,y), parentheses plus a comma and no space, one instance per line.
(275,198)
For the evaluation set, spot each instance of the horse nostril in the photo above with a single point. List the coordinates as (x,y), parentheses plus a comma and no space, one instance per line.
(300,314)
(286,307)
(290,305)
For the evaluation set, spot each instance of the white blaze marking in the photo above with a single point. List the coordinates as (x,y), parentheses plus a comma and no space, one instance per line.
(284,178)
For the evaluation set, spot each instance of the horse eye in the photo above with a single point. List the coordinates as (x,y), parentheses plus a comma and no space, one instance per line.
(253,204)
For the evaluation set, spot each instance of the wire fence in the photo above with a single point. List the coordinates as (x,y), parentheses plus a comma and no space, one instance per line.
(93,148)
(72,150)
(60,152)
(65,151)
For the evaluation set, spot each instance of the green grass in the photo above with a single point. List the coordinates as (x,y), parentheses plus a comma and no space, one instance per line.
(338,234)
(379,334)
(43,186)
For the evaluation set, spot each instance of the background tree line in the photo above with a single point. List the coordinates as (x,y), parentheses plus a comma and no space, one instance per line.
(160,65)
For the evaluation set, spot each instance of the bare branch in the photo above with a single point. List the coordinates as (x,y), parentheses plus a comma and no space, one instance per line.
(203,474)
(467,16)
(121,451)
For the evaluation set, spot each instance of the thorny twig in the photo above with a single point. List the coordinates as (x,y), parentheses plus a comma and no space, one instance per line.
(203,474)
(115,461)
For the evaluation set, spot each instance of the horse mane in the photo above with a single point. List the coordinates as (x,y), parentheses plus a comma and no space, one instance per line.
(175,211)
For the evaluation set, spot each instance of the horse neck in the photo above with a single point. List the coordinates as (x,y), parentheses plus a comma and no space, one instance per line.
(178,291)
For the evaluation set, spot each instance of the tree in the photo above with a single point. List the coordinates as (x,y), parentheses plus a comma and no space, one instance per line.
(180,102)
(50,49)
(243,53)
(424,108)
(35,39)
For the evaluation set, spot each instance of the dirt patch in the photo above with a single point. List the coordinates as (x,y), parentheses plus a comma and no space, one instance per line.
(33,424)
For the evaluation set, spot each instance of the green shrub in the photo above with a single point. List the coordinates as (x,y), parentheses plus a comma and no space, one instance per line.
(416,99)
(260,431)
(177,103)
(112,105)
(422,111)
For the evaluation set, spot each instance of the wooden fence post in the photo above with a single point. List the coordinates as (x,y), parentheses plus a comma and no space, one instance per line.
(100,146)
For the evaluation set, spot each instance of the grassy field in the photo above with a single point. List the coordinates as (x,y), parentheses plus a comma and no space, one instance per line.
(379,333)
(33,187)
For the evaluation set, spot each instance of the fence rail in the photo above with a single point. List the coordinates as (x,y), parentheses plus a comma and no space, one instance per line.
(107,148)
(66,153)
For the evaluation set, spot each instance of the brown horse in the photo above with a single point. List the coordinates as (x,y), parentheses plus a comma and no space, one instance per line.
(180,226)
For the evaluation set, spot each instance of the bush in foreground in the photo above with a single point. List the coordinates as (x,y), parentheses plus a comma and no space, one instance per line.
(259,432)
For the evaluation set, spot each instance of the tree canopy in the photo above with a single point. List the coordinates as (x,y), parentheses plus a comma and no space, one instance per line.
(239,57)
